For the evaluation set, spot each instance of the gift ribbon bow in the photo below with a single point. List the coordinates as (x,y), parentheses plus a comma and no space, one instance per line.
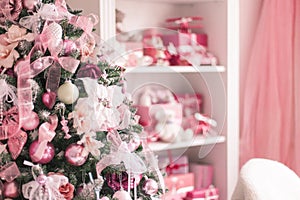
(46,134)
(121,153)
(49,12)
(45,187)
(174,166)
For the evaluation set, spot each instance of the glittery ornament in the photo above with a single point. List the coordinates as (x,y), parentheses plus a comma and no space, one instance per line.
(11,189)
(48,153)
(69,47)
(75,154)
(150,187)
(30,4)
(24,47)
(31,122)
(122,195)
(49,99)
(68,93)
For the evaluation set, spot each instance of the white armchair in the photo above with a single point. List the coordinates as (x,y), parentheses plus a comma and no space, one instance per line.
(263,179)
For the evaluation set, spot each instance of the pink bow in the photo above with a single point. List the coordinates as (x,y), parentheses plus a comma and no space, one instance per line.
(46,134)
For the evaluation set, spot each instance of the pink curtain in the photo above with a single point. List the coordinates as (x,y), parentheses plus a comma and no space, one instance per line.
(270,126)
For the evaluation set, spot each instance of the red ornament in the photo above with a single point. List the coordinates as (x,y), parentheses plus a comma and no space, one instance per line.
(76,155)
(11,189)
(150,186)
(49,99)
(31,122)
(48,154)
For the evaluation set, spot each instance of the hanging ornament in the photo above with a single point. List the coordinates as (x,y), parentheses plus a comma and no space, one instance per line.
(49,99)
(48,153)
(76,155)
(11,189)
(122,195)
(31,122)
(134,143)
(69,47)
(150,186)
(68,93)
(30,4)
(16,143)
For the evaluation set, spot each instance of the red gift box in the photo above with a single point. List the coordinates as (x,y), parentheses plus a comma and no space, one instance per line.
(174,165)
(182,39)
(178,184)
(210,193)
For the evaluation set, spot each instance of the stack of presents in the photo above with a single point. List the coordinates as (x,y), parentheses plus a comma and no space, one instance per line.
(188,181)
(175,45)
(171,118)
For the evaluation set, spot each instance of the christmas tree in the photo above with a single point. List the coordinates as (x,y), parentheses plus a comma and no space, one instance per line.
(67,126)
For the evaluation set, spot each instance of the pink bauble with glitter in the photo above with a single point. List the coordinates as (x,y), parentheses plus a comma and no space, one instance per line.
(31,122)
(150,186)
(11,189)
(47,156)
(122,195)
(69,47)
(75,154)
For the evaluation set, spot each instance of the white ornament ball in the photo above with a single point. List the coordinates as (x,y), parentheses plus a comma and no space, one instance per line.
(122,195)
(68,93)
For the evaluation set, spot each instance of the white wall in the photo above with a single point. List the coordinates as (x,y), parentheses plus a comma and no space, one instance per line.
(87,7)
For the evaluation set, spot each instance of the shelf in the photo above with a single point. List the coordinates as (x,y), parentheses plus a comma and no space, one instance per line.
(174,69)
(196,141)
(179,1)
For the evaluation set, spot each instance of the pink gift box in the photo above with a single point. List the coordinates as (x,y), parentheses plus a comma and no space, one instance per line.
(174,165)
(149,121)
(203,175)
(191,103)
(178,184)
(180,39)
(210,193)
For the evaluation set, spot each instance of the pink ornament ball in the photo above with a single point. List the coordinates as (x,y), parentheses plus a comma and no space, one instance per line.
(69,47)
(48,154)
(11,189)
(122,195)
(30,4)
(150,187)
(31,122)
(75,154)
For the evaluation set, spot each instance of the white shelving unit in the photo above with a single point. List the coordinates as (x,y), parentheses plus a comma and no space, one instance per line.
(175,69)
(195,142)
(219,85)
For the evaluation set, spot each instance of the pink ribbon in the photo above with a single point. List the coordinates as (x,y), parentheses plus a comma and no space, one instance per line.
(46,134)
(10,12)
(10,123)
(121,154)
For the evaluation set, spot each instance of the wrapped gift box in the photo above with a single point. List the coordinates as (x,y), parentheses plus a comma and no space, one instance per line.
(210,193)
(178,185)
(149,118)
(203,175)
(182,39)
(191,103)
(174,164)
